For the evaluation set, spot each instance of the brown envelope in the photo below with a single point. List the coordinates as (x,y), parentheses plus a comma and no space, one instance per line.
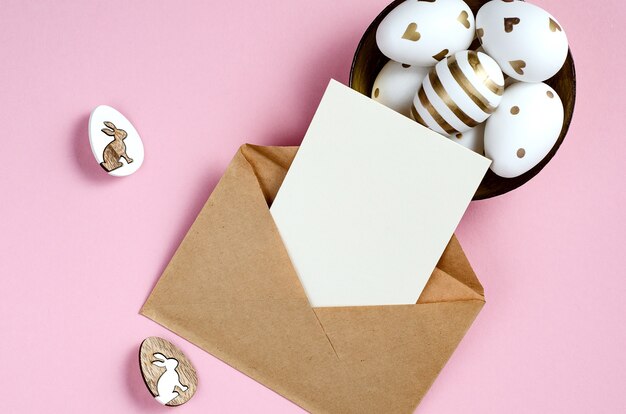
(231,290)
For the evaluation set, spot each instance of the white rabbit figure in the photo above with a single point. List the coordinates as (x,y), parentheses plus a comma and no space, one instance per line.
(169,380)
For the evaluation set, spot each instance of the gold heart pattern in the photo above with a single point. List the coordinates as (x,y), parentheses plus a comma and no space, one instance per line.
(441,55)
(518,66)
(480,32)
(411,33)
(463,19)
(554,26)
(509,22)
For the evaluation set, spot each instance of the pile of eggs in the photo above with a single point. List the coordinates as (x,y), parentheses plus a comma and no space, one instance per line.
(491,100)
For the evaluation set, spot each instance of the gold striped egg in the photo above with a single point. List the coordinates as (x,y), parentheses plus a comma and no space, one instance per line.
(459,93)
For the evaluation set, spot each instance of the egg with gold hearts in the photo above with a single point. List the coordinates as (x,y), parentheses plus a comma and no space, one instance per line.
(459,93)
(424,32)
(528,43)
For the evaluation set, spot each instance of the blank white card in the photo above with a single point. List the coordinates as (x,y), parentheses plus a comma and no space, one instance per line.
(370,202)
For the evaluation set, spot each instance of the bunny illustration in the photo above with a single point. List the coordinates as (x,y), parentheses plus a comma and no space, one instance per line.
(169,380)
(116,149)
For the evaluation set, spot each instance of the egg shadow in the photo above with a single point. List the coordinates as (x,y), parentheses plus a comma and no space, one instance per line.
(85,162)
(136,387)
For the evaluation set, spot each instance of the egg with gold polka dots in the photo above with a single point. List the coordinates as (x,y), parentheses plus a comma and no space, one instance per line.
(524,128)
(423,32)
(396,85)
(528,43)
(459,93)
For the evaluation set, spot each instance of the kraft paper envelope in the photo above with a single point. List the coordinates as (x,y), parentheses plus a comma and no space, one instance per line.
(231,290)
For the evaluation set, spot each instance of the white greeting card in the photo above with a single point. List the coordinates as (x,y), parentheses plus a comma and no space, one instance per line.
(370,202)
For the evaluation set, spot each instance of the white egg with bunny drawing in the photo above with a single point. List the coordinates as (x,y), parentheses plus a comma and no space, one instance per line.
(423,33)
(115,142)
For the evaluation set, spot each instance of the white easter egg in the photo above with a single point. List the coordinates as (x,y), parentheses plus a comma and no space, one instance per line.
(167,372)
(473,139)
(524,128)
(115,143)
(396,85)
(459,93)
(527,42)
(508,81)
(424,32)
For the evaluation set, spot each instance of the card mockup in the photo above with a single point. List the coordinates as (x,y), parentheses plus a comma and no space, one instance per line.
(370,202)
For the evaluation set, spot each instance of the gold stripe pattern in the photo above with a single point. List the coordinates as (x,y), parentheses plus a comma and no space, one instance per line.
(417,116)
(435,82)
(433,112)
(480,71)
(467,86)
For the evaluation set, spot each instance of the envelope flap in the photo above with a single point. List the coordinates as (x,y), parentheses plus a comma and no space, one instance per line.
(270,165)
(442,287)
(396,352)
(232,252)
(454,262)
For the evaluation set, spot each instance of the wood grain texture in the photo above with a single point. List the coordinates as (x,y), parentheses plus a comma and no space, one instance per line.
(368,61)
(116,149)
(151,373)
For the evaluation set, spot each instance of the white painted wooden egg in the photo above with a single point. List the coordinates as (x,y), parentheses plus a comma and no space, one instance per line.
(473,139)
(166,371)
(523,129)
(459,93)
(528,43)
(424,32)
(115,142)
(396,85)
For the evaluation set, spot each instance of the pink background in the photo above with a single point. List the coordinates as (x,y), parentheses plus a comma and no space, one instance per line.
(81,250)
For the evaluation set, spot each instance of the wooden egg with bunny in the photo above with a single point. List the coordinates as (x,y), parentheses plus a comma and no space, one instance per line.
(168,374)
(115,143)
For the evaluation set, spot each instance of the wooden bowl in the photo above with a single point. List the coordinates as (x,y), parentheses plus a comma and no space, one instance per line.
(368,61)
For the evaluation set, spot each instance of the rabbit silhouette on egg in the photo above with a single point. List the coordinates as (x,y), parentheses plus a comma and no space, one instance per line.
(169,380)
(117,147)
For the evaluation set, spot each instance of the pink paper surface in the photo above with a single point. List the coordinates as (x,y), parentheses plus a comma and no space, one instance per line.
(81,250)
